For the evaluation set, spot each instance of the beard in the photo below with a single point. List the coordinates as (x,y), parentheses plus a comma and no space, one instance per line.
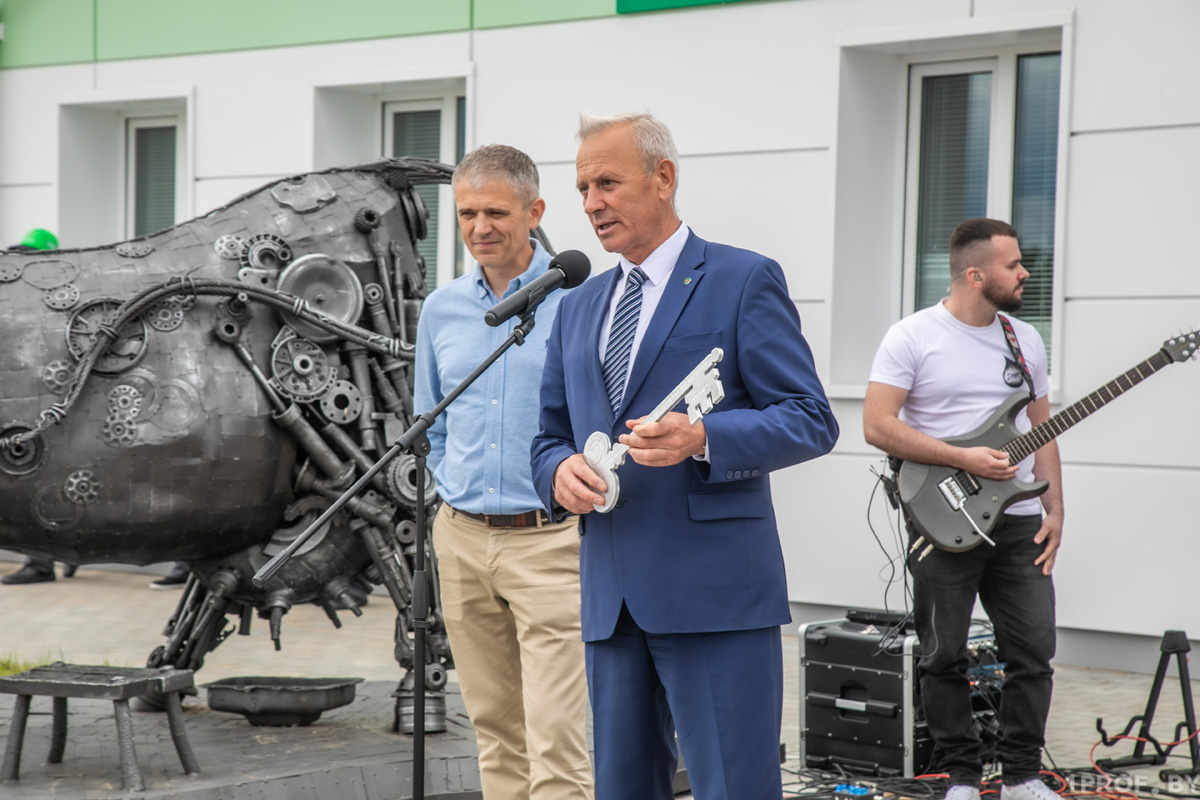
(1009,303)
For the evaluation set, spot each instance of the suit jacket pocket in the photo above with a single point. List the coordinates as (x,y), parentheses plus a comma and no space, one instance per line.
(708,339)
(729,505)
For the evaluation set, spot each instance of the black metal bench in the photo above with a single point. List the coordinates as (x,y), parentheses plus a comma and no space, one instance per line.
(118,684)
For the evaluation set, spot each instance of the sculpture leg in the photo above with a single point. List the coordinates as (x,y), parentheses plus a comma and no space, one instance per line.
(11,769)
(130,773)
(58,731)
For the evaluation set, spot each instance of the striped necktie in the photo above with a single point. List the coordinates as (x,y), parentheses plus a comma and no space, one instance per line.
(620,337)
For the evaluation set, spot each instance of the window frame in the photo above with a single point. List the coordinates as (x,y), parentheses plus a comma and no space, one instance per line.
(1002,63)
(128,190)
(447,104)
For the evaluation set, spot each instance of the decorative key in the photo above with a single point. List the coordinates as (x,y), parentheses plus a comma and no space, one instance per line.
(701,389)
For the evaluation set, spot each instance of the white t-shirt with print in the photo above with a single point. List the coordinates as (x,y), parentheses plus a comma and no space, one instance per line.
(956,375)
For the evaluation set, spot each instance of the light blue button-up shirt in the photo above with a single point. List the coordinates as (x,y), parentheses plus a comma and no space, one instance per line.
(480,446)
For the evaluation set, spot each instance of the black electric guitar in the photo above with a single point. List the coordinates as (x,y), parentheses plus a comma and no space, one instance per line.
(956,511)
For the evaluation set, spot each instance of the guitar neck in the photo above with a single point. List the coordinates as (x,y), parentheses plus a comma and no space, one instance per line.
(1021,447)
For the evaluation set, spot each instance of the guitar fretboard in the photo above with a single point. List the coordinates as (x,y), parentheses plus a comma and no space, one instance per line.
(1043,434)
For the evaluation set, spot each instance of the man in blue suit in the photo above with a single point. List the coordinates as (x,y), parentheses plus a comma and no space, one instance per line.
(683,587)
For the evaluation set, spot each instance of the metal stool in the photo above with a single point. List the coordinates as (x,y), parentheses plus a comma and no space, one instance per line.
(118,684)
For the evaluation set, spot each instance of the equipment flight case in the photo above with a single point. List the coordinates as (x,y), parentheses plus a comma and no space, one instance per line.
(860,701)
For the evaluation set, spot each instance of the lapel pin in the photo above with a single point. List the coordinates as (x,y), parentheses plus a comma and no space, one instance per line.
(686,281)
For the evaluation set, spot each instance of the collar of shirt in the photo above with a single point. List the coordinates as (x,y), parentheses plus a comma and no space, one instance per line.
(658,267)
(537,267)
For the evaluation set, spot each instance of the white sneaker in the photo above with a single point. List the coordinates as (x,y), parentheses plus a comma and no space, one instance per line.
(1032,789)
(960,792)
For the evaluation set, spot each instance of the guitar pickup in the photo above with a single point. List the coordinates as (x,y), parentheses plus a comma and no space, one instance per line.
(967,482)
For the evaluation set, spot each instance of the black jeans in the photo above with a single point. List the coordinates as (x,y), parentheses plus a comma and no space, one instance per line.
(1019,599)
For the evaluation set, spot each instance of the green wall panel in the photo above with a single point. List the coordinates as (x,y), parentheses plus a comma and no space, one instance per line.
(501,13)
(145,28)
(631,6)
(41,32)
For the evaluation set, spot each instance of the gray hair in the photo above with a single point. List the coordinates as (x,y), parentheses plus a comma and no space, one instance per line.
(499,161)
(651,137)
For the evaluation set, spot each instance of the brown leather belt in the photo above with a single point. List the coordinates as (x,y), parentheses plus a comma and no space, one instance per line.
(529,519)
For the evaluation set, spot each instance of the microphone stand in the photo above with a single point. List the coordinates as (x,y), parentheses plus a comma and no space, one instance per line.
(415,442)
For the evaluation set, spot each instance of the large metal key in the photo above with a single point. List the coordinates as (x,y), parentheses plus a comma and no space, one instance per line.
(701,389)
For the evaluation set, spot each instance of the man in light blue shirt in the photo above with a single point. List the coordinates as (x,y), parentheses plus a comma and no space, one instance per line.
(509,577)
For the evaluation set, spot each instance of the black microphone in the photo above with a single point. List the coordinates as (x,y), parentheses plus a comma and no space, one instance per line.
(567,269)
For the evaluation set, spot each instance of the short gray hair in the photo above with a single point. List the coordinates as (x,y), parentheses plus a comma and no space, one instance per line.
(651,137)
(499,161)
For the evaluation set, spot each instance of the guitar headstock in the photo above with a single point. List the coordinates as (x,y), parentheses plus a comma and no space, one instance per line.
(1183,346)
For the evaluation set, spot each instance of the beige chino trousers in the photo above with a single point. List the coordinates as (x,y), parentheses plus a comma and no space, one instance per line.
(510,600)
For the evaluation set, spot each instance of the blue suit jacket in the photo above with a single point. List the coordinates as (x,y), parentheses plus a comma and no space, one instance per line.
(692,547)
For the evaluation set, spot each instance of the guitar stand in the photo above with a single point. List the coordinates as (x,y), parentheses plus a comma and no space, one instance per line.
(1175,642)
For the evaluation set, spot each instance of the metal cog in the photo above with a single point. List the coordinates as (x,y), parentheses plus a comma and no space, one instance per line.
(134,249)
(402,481)
(120,430)
(81,487)
(229,246)
(56,376)
(265,251)
(62,297)
(166,315)
(125,399)
(301,369)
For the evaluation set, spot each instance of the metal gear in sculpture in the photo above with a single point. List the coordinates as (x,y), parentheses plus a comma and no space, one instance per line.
(229,246)
(134,249)
(120,429)
(301,369)
(10,271)
(124,399)
(165,315)
(265,251)
(343,403)
(62,297)
(81,487)
(56,376)
(125,352)
(402,481)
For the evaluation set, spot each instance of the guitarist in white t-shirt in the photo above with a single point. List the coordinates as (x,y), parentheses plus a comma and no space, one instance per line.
(942,372)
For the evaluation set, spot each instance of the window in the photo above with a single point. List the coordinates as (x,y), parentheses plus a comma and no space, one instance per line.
(433,128)
(151,174)
(983,141)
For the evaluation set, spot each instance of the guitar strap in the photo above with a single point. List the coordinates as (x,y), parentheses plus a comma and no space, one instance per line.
(1011,337)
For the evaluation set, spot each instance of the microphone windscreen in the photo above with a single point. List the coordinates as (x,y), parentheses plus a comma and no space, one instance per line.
(575,265)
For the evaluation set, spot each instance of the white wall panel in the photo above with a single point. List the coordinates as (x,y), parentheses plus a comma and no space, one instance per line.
(776,204)
(1154,423)
(255,108)
(828,548)
(23,208)
(1131,208)
(1136,65)
(29,113)
(751,77)
(1128,561)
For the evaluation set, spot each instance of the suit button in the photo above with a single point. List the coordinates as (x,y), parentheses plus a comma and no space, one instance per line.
(737,474)
(754,473)
(729,474)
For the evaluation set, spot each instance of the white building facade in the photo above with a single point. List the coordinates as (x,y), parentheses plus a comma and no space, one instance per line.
(844,138)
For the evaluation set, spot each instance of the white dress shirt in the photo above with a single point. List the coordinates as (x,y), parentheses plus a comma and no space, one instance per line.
(658,267)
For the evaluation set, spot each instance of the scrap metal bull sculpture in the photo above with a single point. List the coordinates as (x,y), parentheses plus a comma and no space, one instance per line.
(203,393)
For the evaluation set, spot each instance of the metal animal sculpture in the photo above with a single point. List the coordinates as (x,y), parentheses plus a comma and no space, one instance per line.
(203,393)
